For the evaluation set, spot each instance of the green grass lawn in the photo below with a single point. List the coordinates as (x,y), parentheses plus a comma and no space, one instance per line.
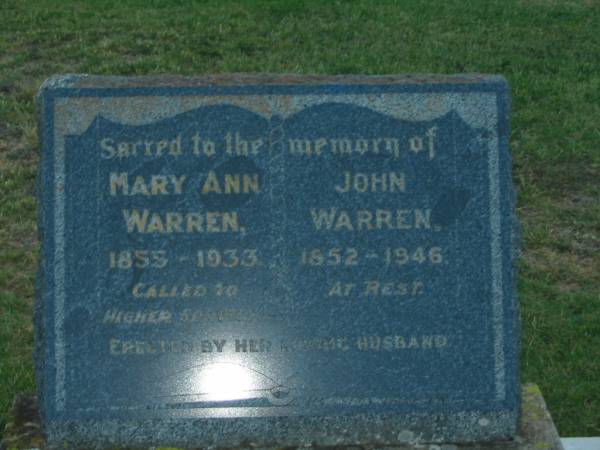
(548,50)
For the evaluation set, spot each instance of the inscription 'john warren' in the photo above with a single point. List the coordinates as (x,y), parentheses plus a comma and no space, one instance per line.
(372,182)
(334,219)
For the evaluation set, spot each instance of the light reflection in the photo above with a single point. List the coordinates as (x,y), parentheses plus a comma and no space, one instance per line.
(225,381)
(229,379)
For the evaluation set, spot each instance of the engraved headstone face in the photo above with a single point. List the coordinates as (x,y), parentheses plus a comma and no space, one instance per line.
(276,260)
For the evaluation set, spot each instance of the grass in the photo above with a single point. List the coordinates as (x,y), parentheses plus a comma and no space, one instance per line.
(548,50)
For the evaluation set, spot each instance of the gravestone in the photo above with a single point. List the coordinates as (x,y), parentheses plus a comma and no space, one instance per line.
(276,260)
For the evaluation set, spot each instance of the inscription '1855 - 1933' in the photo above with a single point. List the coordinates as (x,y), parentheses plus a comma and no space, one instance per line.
(277,253)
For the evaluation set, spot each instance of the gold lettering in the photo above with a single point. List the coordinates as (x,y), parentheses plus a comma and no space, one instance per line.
(118,181)
(174,222)
(146,221)
(423,218)
(108,148)
(211,184)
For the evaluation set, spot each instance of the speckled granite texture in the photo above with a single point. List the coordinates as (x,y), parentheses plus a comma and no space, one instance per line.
(536,429)
(276,261)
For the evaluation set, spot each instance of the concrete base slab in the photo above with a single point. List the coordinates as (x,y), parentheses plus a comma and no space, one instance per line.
(581,443)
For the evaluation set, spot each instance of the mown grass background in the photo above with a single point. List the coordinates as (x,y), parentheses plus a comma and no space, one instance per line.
(548,50)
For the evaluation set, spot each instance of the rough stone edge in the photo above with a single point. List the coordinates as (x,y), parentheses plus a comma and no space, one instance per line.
(39,303)
(515,242)
(368,430)
(536,421)
(63,81)
(241,79)
(536,432)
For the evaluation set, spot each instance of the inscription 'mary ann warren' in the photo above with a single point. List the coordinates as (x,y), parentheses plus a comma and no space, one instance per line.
(229,183)
(147,221)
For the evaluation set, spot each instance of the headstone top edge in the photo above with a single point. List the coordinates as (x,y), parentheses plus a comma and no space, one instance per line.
(82,81)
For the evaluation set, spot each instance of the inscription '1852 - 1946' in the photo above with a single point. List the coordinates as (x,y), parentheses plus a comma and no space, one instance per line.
(277,252)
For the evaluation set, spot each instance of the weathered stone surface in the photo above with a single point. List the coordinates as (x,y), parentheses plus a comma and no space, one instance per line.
(536,429)
(276,260)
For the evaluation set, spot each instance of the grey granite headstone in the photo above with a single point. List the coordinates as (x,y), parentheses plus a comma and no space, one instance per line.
(276,260)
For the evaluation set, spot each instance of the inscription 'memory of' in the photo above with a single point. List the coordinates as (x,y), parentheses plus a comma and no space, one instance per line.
(334,219)
(344,146)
